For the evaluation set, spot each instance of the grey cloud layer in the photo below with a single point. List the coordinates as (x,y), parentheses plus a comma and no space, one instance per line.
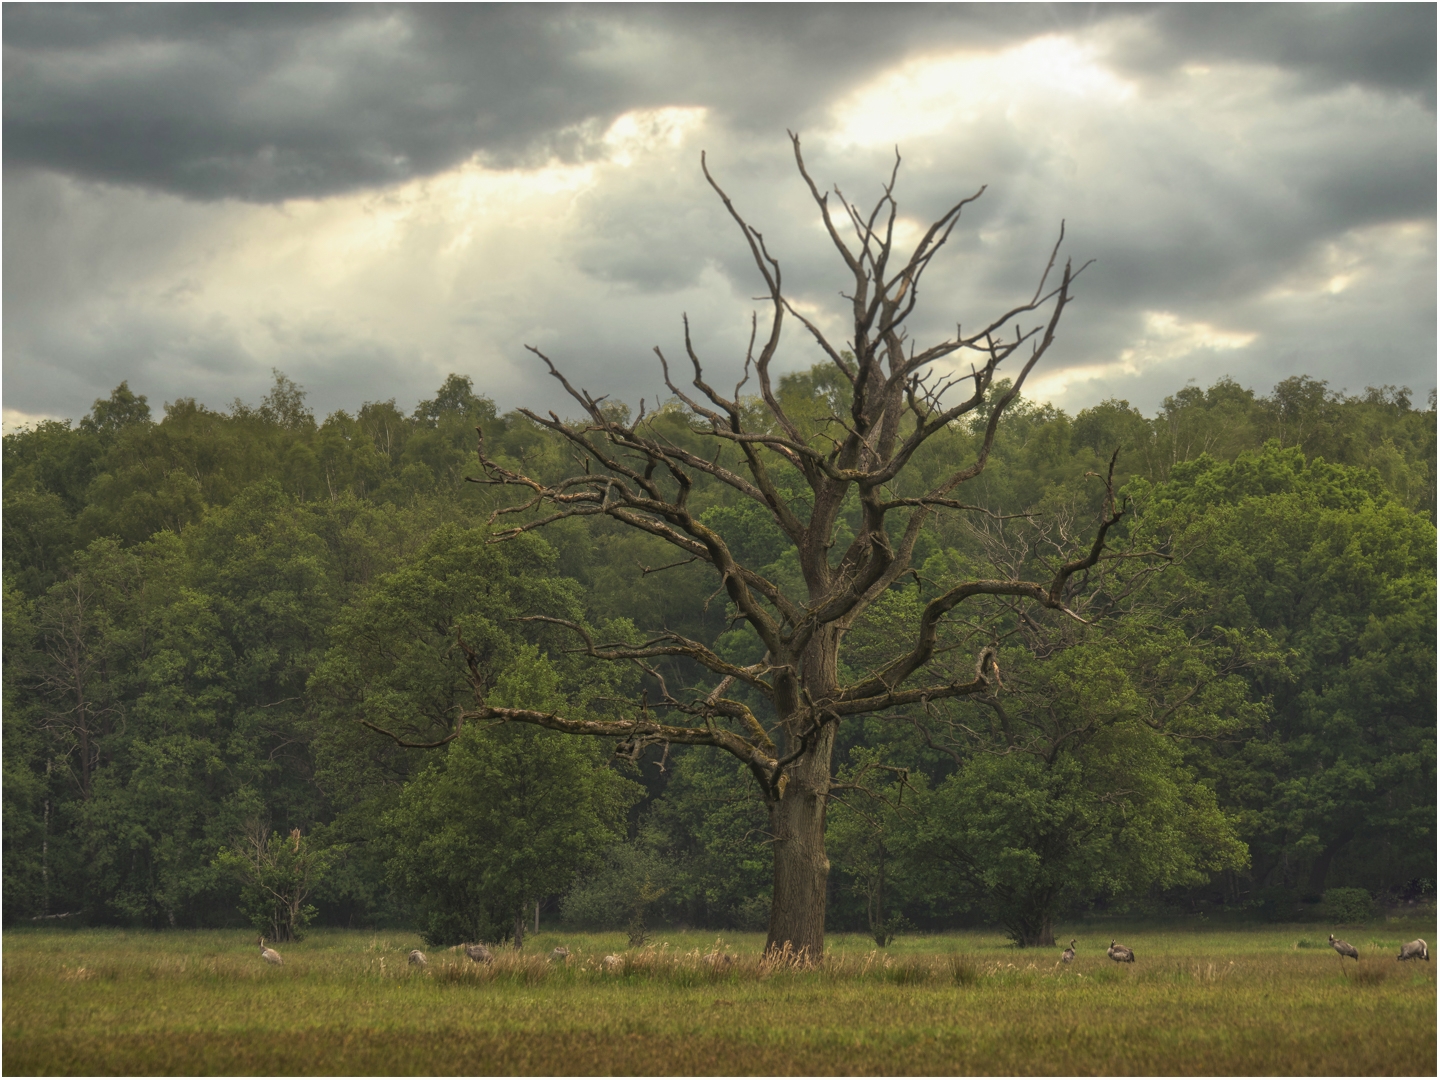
(148,146)
(266,102)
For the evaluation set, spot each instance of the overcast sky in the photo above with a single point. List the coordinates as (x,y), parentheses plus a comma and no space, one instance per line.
(371,197)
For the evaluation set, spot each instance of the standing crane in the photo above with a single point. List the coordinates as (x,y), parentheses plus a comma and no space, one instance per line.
(270,956)
(1344,948)
(1120,954)
(1069,954)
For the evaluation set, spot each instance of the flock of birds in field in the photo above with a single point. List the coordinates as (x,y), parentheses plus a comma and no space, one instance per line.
(1411,950)
(1119,953)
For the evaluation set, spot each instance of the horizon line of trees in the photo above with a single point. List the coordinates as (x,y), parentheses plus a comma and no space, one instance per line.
(199,609)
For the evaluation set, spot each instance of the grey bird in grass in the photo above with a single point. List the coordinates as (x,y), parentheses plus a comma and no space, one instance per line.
(270,956)
(1414,950)
(1120,954)
(479,953)
(418,958)
(560,952)
(1069,954)
(1344,948)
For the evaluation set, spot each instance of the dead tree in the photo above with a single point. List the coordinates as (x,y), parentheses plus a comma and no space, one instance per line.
(901,395)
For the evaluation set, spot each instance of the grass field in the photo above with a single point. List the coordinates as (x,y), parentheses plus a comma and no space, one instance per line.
(1197,1000)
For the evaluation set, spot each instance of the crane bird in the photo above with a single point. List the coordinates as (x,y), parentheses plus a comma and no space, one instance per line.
(479,953)
(1120,954)
(561,953)
(417,958)
(270,956)
(1414,950)
(1069,954)
(1344,948)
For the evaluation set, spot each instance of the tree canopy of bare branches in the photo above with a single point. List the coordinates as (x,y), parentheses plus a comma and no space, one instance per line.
(857,465)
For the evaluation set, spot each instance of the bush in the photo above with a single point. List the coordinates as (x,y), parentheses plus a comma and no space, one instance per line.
(605,899)
(1347,905)
(277,874)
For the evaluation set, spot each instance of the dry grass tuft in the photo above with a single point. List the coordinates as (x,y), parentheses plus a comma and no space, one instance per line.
(907,972)
(963,970)
(1368,974)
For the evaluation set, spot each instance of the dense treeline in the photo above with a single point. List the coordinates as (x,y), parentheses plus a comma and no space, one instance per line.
(207,617)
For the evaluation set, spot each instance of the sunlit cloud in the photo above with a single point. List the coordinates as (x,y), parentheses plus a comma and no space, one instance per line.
(12,420)
(1166,339)
(450,272)
(1357,258)
(927,95)
(639,133)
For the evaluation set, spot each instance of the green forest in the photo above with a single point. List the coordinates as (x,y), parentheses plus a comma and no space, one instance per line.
(221,628)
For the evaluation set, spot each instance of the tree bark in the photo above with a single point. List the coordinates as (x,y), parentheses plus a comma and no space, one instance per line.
(801,867)
(1041,933)
(1031,922)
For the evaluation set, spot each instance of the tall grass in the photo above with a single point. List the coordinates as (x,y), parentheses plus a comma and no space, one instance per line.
(1196,1001)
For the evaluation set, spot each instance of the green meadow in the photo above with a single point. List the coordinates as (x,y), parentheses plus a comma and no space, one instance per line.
(1198,999)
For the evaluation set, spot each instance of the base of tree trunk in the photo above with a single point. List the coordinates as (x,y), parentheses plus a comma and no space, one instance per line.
(1035,935)
(802,869)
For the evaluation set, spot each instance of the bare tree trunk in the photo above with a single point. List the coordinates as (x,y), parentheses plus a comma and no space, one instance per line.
(1042,933)
(1032,929)
(797,822)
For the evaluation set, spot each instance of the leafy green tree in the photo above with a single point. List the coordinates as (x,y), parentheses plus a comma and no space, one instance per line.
(866,834)
(1024,839)
(713,837)
(396,664)
(1072,783)
(1341,575)
(510,815)
(123,409)
(277,875)
(27,788)
(462,838)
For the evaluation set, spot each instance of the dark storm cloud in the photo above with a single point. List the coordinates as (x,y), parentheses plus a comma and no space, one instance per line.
(1386,46)
(274,102)
(267,102)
